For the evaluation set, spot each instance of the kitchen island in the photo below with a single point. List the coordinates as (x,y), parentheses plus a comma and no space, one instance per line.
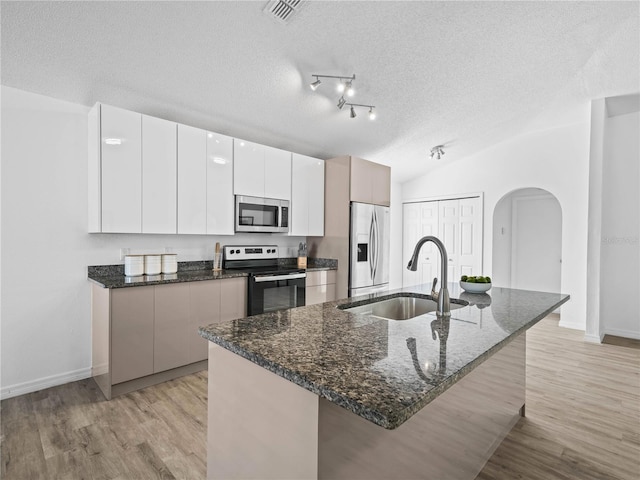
(318,392)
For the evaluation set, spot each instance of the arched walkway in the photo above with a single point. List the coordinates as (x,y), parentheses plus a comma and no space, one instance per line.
(527,241)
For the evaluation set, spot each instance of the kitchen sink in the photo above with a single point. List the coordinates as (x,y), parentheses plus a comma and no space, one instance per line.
(399,308)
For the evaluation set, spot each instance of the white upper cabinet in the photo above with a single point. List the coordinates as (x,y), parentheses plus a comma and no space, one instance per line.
(159,175)
(148,175)
(307,196)
(248,164)
(192,180)
(220,202)
(121,170)
(316,198)
(261,171)
(277,173)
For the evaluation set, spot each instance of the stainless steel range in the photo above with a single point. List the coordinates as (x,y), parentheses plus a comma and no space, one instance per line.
(271,286)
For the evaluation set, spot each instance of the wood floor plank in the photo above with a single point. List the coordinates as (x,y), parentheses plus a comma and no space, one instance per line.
(582,423)
(583,411)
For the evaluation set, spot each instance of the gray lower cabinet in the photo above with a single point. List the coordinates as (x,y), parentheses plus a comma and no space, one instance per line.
(132,326)
(145,335)
(171,332)
(320,287)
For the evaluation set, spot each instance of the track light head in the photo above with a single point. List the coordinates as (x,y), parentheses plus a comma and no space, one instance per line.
(372,114)
(353,112)
(314,86)
(341,103)
(349,89)
(437,152)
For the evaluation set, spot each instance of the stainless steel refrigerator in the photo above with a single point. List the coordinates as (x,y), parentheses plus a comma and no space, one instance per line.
(368,249)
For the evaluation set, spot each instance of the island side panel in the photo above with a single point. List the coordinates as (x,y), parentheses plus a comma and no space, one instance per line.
(101,339)
(451,437)
(260,425)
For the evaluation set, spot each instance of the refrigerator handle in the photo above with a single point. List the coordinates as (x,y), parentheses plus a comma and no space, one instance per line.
(374,246)
(371,247)
(378,244)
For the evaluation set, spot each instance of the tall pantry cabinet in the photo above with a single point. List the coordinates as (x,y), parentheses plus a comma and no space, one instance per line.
(347,179)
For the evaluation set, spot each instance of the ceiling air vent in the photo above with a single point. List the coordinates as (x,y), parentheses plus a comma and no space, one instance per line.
(283,10)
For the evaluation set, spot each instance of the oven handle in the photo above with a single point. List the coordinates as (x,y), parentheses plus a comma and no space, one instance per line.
(271,278)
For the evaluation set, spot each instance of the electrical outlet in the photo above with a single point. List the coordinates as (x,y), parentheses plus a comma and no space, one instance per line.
(123,252)
(168,249)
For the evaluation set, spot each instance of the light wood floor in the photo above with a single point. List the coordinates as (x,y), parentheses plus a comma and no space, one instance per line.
(583,422)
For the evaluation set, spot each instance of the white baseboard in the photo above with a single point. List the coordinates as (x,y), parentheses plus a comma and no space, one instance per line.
(45,382)
(572,325)
(592,338)
(622,333)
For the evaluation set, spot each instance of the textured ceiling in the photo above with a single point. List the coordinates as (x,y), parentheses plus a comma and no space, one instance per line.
(463,74)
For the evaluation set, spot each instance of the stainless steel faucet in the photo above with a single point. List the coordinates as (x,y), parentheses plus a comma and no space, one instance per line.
(444,305)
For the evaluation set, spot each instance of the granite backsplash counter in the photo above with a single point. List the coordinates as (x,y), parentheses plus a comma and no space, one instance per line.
(383,370)
(112,276)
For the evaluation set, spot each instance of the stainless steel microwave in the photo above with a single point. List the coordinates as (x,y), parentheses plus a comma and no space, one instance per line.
(255,214)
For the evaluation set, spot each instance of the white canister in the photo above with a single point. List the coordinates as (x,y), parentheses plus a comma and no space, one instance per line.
(169,263)
(152,264)
(133,265)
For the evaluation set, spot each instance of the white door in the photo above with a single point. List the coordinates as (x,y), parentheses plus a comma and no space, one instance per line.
(277,173)
(458,223)
(299,208)
(316,198)
(536,243)
(248,168)
(220,201)
(192,180)
(159,175)
(419,220)
(307,196)
(121,170)
(470,237)
(450,236)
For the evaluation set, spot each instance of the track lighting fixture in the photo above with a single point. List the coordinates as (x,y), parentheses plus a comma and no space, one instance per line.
(437,152)
(343,85)
(372,115)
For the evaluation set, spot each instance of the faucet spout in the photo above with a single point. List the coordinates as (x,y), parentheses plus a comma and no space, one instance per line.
(444,305)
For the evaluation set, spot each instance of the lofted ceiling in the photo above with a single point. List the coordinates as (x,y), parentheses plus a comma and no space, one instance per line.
(463,74)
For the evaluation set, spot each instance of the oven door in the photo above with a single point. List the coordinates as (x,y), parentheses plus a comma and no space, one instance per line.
(271,292)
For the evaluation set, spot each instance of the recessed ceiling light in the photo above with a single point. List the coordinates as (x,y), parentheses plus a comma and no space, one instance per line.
(113,141)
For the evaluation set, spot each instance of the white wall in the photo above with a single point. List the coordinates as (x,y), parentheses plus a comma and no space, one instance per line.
(395,254)
(620,247)
(45,314)
(556,160)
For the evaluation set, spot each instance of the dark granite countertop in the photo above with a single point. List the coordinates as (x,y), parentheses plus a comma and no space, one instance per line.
(112,276)
(383,370)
